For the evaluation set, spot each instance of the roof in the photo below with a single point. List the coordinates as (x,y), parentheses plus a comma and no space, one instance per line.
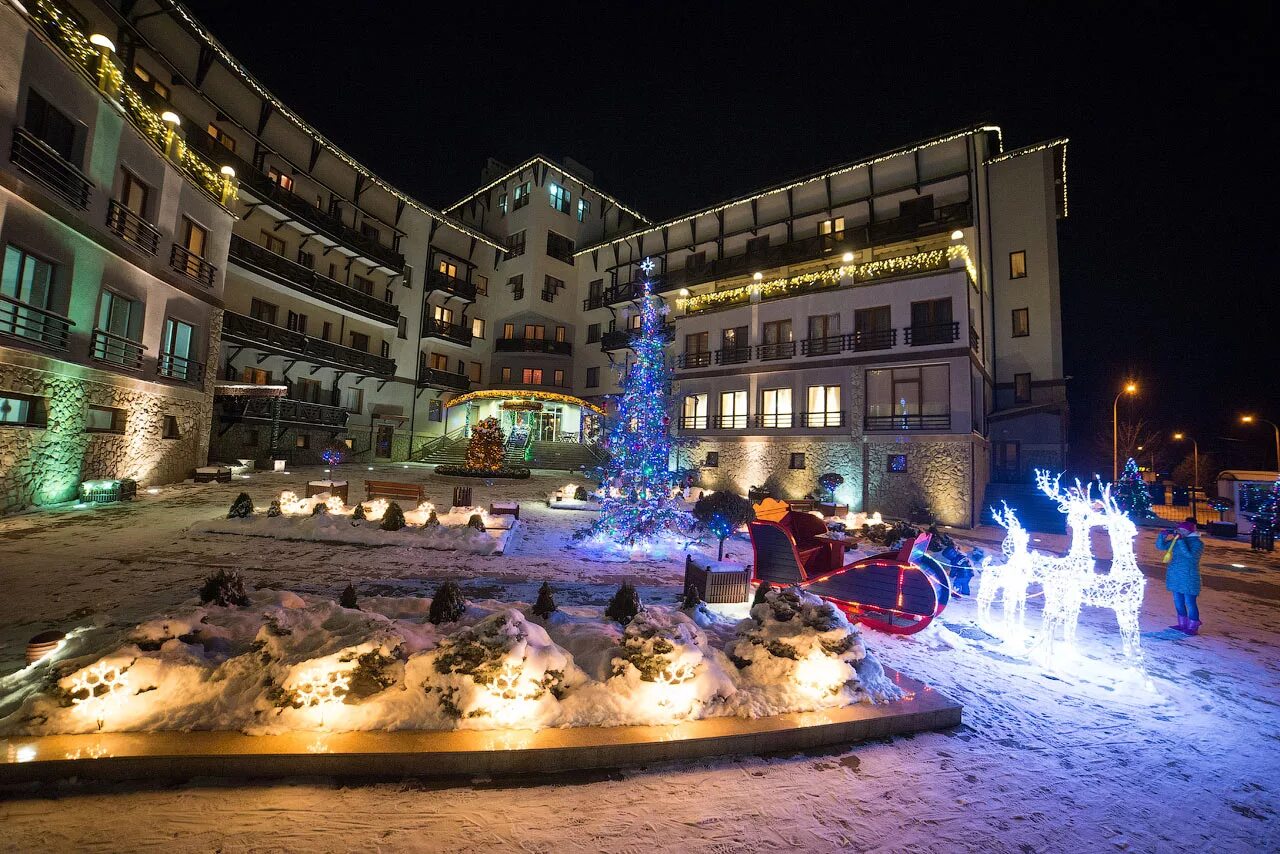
(551,164)
(829,172)
(1240,474)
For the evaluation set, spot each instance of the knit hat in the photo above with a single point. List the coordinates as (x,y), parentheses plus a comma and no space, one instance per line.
(1187,527)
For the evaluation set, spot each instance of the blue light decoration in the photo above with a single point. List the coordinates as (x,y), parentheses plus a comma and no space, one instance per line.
(638,504)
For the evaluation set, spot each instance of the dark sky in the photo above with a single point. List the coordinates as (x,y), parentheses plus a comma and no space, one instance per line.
(1167,262)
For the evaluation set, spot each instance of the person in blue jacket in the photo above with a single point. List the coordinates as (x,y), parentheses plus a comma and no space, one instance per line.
(1183,548)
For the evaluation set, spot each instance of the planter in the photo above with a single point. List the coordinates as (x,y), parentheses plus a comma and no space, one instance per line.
(1230,530)
(512,472)
(333,487)
(718,582)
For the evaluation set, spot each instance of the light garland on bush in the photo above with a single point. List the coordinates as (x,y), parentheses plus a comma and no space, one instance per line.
(103,687)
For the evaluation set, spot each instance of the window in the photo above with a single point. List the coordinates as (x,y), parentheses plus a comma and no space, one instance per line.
(255,376)
(360,341)
(251,438)
(1021,322)
(696,346)
(909,398)
(280,179)
(521,195)
(384,349)
(1022,388)
(896,463)
(733,409)
(775,407)
(506,375)
(435,410)
(28,280)
(121,318)
(402,327)
(1018,264)
(482,285)
(104,419)
(439,362)
(931,322)
(272,243)
(171,429)
(535,331)
(713,460)
(502,204)
(777,340)
(797,461)
(302,440)
(873,328)
(593,377)
(515,245)
(326,331)
(593,333)
(823,406)
(561,334)
(133,193)
(21,410)
(308,390)
(477,327)
(517,286)
(362,284)
(306,259)
(194,237)
(595,293)
(353,400)
(734,339)
(447,267)
(223,139)
(474,371)
(695,260)
(635,322)
(264,311)
(50,126)
(833,228)
(584,208)
(296,322)
(531,376)
(508,330)
(370,231)
(550,287)
(558,197)
(557,378)
(695,412)
(442,314)
(757,245)
(559,247)
(175,350)
(150,81)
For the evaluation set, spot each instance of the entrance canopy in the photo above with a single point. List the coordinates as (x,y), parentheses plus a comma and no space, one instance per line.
(522,394)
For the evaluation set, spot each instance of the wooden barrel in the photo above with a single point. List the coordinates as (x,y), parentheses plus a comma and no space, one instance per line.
(43,644)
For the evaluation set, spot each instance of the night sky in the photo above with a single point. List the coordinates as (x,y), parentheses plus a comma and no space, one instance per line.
(1166,260)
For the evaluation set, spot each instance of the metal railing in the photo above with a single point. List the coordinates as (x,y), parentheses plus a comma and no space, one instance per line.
(772,420)
(594,301)
(827,345)
(291,411)
(730,422)
(447,331)
(35,157)
(443,379)
(878,339)
(260,333)
(693,422)
(38,325)
(733,355)
(934,333)
(533,345)
(973,339)
(191,265)
(116,350)
(132,228)
(281,269)
(773,352)
(694,360)
(882,423)
(820,419)
(179,368)
(438,281)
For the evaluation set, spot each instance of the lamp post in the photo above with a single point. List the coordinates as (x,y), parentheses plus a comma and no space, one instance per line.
(1250,419)
(1195,464)
(1129,388)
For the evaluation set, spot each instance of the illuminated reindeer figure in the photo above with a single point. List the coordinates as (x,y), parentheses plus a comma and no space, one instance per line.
(1010,578)
(1065,579)
(1122,589)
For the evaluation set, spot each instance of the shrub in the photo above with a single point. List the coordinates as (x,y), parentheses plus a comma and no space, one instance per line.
(358,513)
(624,605)
(274,510)
(546,604)
(319,509)
(348,597)
(513,472)
(433,521)
(722,513)
(581,494)
(241,508)
(691,598)
(447,605)
(761,593)
(224,588)
(475,521)
(393,519)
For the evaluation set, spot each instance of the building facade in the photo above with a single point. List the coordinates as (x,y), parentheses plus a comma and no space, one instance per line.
(222,281)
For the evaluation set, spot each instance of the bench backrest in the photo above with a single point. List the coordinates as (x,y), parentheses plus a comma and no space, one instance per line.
(393,489)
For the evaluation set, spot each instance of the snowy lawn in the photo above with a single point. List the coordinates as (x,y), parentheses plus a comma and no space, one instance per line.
(1084,759)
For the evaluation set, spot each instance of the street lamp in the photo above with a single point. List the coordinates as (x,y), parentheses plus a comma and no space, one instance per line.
(1195,454)
(1250,419)
(1129,388)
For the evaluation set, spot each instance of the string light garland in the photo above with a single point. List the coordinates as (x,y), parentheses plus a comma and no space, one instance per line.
(498,394)
(564,175)
(1033,149)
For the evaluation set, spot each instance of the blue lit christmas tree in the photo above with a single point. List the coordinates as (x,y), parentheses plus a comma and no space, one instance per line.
(639,443)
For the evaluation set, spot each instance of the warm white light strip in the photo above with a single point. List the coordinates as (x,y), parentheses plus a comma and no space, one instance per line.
(538,158)
(1062,141)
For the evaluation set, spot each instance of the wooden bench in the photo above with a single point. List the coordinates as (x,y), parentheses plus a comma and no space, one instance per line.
(414,492)
(505,508)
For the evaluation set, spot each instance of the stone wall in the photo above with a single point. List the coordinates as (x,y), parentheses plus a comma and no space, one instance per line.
(251,440)
(46,465)
(938,480)
(755,462)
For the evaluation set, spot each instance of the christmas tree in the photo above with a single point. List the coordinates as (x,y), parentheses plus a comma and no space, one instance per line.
(1131,493)
(638,482)
(1264,519)
(484,451)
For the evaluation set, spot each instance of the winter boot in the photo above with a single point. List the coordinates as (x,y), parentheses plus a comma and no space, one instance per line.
(1193,627)
(1182,624)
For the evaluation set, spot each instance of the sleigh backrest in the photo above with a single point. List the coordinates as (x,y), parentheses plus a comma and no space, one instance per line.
(776,558)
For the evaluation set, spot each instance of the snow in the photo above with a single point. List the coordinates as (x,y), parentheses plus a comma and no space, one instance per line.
(1085,758)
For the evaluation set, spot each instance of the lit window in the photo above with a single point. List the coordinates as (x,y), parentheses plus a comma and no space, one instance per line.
(104,419)
(558,197)
(477,327)
(824,406)
(733,409)
(531,376)
(775,407)
(502,204)
(482,285)
(1018,265)
(834,226)
(584,208)
(506,375)
(557,378)
(223,139)
(521,196)
(1021,322)
(281,180)
(21,410)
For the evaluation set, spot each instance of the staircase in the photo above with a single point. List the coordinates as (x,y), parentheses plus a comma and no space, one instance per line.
(1035,510)
(567,456)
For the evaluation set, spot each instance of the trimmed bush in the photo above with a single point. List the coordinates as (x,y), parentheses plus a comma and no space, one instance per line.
(624,605)
(447,605)
(224,588)
(475,522)
(348,597)
(241,508)
(512,472)
(358,513)
(722,513)
(274,510)
(581,494)
(393,519)
(762,593)
(546,604)
(433,521)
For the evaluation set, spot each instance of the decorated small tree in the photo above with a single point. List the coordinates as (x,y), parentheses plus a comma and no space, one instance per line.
(624,605)
(828,484)
(447,606)
(393,519)
(358,513)
(546,604)
(241,508)
(348,597)
(722,513)
(225,588)
(1131,493)
(1264,520)
(485,448)
(274,510)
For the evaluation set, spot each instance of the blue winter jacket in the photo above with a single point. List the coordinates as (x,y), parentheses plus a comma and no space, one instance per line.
(1182,573)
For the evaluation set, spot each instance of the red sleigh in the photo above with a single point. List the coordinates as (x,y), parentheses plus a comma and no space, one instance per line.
(899,591)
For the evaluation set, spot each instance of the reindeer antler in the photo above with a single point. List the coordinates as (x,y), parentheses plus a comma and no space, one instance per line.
(1053,488)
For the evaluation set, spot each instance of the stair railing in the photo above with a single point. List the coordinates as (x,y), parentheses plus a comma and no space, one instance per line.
(437,443)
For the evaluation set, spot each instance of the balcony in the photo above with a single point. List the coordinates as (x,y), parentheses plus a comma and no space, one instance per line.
(693,422)
(446,331)
(820,419)
(436,378)
(593,301)
(828,345)
(974,341)
(192,265)
(621,339)
(625,292)
(257,184)
(693,360)
(179,368)
(933,333)
(279,269)
(437,281)
(116,350)
(876,339)
(276,339)
(729,422)
(291,411)
(534,345)
(774,352)
(773,420)
(895,423)
(132,228)
(33,156)
(34,325)
(733,355)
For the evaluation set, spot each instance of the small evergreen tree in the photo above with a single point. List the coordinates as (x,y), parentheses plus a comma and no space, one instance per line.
(447,605)
(348,597)
(691,598)
(624,605)
(828,484)
(359,513)
(393,519)
(241,508)
(722,513)
(546,604)
(581,494)
(1131,493)
(475,521)
(225,588)
(319,508)
(761,593)
(274,510)
(433,521)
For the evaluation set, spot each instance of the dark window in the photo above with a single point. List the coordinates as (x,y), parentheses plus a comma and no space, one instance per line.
(515,245)
(797,461)
(696,261)
(550,287)
(402,327)
(897,463)
(713,460)
(756,245)
(506,375)
(251,438)
(21,410)
(557,378)
(593,377)
(104,419)
(171,430)
(303,440)
(517,286)
(1018,265)
(370,231)
(264,311)
(1021,322)
(362,284)
(435,410)
(1022,388)
(306,259)
(482,285)
(360,341)
(49,124)
(326,330)
(385,350)
(297,322)
(560,247)
(934,312)
(593,333)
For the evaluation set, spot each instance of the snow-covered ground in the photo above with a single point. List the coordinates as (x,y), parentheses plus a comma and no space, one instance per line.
(1085,759)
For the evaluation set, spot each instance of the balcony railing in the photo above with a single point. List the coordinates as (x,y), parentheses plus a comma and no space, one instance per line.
(291,411)
(625,292)
(37,325)
(827,345)
(436,378)
(934,333)
(893,423)
(693,360)
(257,183)
(179,368)
(820,419)
(877,339)
(693,422)
(733,355)
(37,159)
(973,339)
(191,265)
(282,270)
(437,281)
(730,422)
(593,301)
(533,345)
(772,420)
(446,331)
(116,350)
(268,336)
(773,352)
(132,228)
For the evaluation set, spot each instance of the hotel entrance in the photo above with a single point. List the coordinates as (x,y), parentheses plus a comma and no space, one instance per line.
(533,416)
